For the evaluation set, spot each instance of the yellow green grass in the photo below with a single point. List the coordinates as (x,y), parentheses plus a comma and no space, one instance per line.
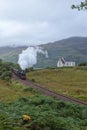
(68,81)
(12,91)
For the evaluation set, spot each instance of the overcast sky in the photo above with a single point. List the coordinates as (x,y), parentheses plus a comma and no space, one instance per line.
(28,22)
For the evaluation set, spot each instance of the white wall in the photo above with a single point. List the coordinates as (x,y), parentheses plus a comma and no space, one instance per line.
(69,64)
(61,64)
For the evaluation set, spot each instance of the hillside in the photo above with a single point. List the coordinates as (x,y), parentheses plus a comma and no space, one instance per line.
(45,113)
(68,81)
(10,54)
(74,48)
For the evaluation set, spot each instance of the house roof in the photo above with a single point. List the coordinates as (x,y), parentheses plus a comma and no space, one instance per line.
(68,59)
(63,61)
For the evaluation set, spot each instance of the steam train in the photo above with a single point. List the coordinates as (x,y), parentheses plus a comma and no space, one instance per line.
(20,73)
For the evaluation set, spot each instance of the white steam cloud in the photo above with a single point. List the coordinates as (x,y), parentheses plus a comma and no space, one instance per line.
(28,57)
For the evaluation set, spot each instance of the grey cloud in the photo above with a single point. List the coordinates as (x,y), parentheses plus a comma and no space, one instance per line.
(40,21)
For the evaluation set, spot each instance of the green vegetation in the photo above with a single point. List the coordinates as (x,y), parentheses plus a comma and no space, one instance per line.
(46,114)
(10,54)
(83,64)
(68,81)
(6,70)
(81,6)
(10,91)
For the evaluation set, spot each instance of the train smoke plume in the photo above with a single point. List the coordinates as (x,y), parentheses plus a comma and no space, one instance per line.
(28,57)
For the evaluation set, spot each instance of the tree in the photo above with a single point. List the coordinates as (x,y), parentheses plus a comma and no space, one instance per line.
(81,6)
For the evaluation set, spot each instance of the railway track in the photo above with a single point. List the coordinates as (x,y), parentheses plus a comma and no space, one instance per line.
(50,93)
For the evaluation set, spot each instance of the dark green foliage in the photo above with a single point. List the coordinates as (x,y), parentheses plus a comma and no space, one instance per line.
(46,114)
(81,6)
(83,64)
(29,69)
(6,70)
(30,89)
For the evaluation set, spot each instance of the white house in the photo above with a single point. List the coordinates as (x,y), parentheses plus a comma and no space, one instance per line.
(61,62)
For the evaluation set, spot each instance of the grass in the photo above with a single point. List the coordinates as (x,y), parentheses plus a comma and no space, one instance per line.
(68,81)
(12,91)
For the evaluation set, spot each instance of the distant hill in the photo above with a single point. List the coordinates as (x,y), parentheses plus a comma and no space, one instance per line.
(10,54)
(74,48)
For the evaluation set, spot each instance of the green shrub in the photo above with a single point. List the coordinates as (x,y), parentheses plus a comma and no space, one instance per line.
(6,70)
(45,112)
(83,64)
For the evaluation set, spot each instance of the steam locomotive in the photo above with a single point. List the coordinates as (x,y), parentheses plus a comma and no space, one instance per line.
(20,73)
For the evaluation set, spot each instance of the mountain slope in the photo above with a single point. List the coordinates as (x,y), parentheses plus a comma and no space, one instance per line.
(74,48)
(10,54)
